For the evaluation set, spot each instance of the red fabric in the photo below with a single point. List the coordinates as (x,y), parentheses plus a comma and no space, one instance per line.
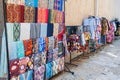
(42,15)
(28,47)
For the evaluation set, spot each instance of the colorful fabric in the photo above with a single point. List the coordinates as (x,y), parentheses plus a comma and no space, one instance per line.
(33,34)
(50,56)
(14,68)
(29,3)
(43,4)
(60,48)
(61,31)
(51,4)
(37,60)
(39,73)
(51,42)
(52,16)
(55,54)
(29,14)
(18,13)
(41,44)
(61,64)
(20,49)
(38,29)
(25,31)
(28,47)
(48,70)
(56,42)
(47,43)
(12,47)
(50,30)
(10,32)
(43,57)
(87,35)
(26,76)
(42,15)
(55,31)
(43,32)
(60,5)
(55,67)
(10,12)
(16,31)
(35,46)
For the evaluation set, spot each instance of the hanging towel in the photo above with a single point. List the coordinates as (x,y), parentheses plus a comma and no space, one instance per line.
(55,31)
(39,73)
(48,70)
(43,3)
(51,4)
(26,76)
(25,31)
(28,47)
(43,32)
(10,32)
(16,31)
(20,49)
(50,30)
(10,12)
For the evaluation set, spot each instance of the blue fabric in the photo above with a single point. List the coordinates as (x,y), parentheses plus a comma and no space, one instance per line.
(26,76)
(20,49)
(41,44)
(103,39)
(31,3)
(60,5)
(50,56)
(48,70)
(43,32)
(3,61)
(12,50)
(50,30)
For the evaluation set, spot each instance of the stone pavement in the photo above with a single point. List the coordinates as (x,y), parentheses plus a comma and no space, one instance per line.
(104,65)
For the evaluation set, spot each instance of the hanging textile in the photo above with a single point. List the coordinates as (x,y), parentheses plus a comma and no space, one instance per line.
(55,54)
(61,64)
(16,31)
(10,12)
(43,4)
(51,4)
(25,31)
(39,73)
(10,32)
(51,42)
(60,5)
(50,30)
(3,57)
(43,32)
(20,49)
(41,44)
(48,70)
(55,67)
(14,68)
(28,47)
(35,46)
(47,43)
(26,76)
(56,27)
(33,29)
(50,55)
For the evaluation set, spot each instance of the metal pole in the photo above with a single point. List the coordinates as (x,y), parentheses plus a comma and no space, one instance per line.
(4,12)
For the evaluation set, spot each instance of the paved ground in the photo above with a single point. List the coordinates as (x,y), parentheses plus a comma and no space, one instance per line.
(104,65)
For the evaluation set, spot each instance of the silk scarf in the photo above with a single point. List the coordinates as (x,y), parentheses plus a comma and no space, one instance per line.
(51,4)
(43,32)
(25,31)
(10,12)
(16,31)
(28,47)
(14,68)
(50,56)
(10,32)
(41,44)
(51,42)
(48,70)
(12,47)
(20,49)
(43,3)
(50,30)
(39,73)
(26,76)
